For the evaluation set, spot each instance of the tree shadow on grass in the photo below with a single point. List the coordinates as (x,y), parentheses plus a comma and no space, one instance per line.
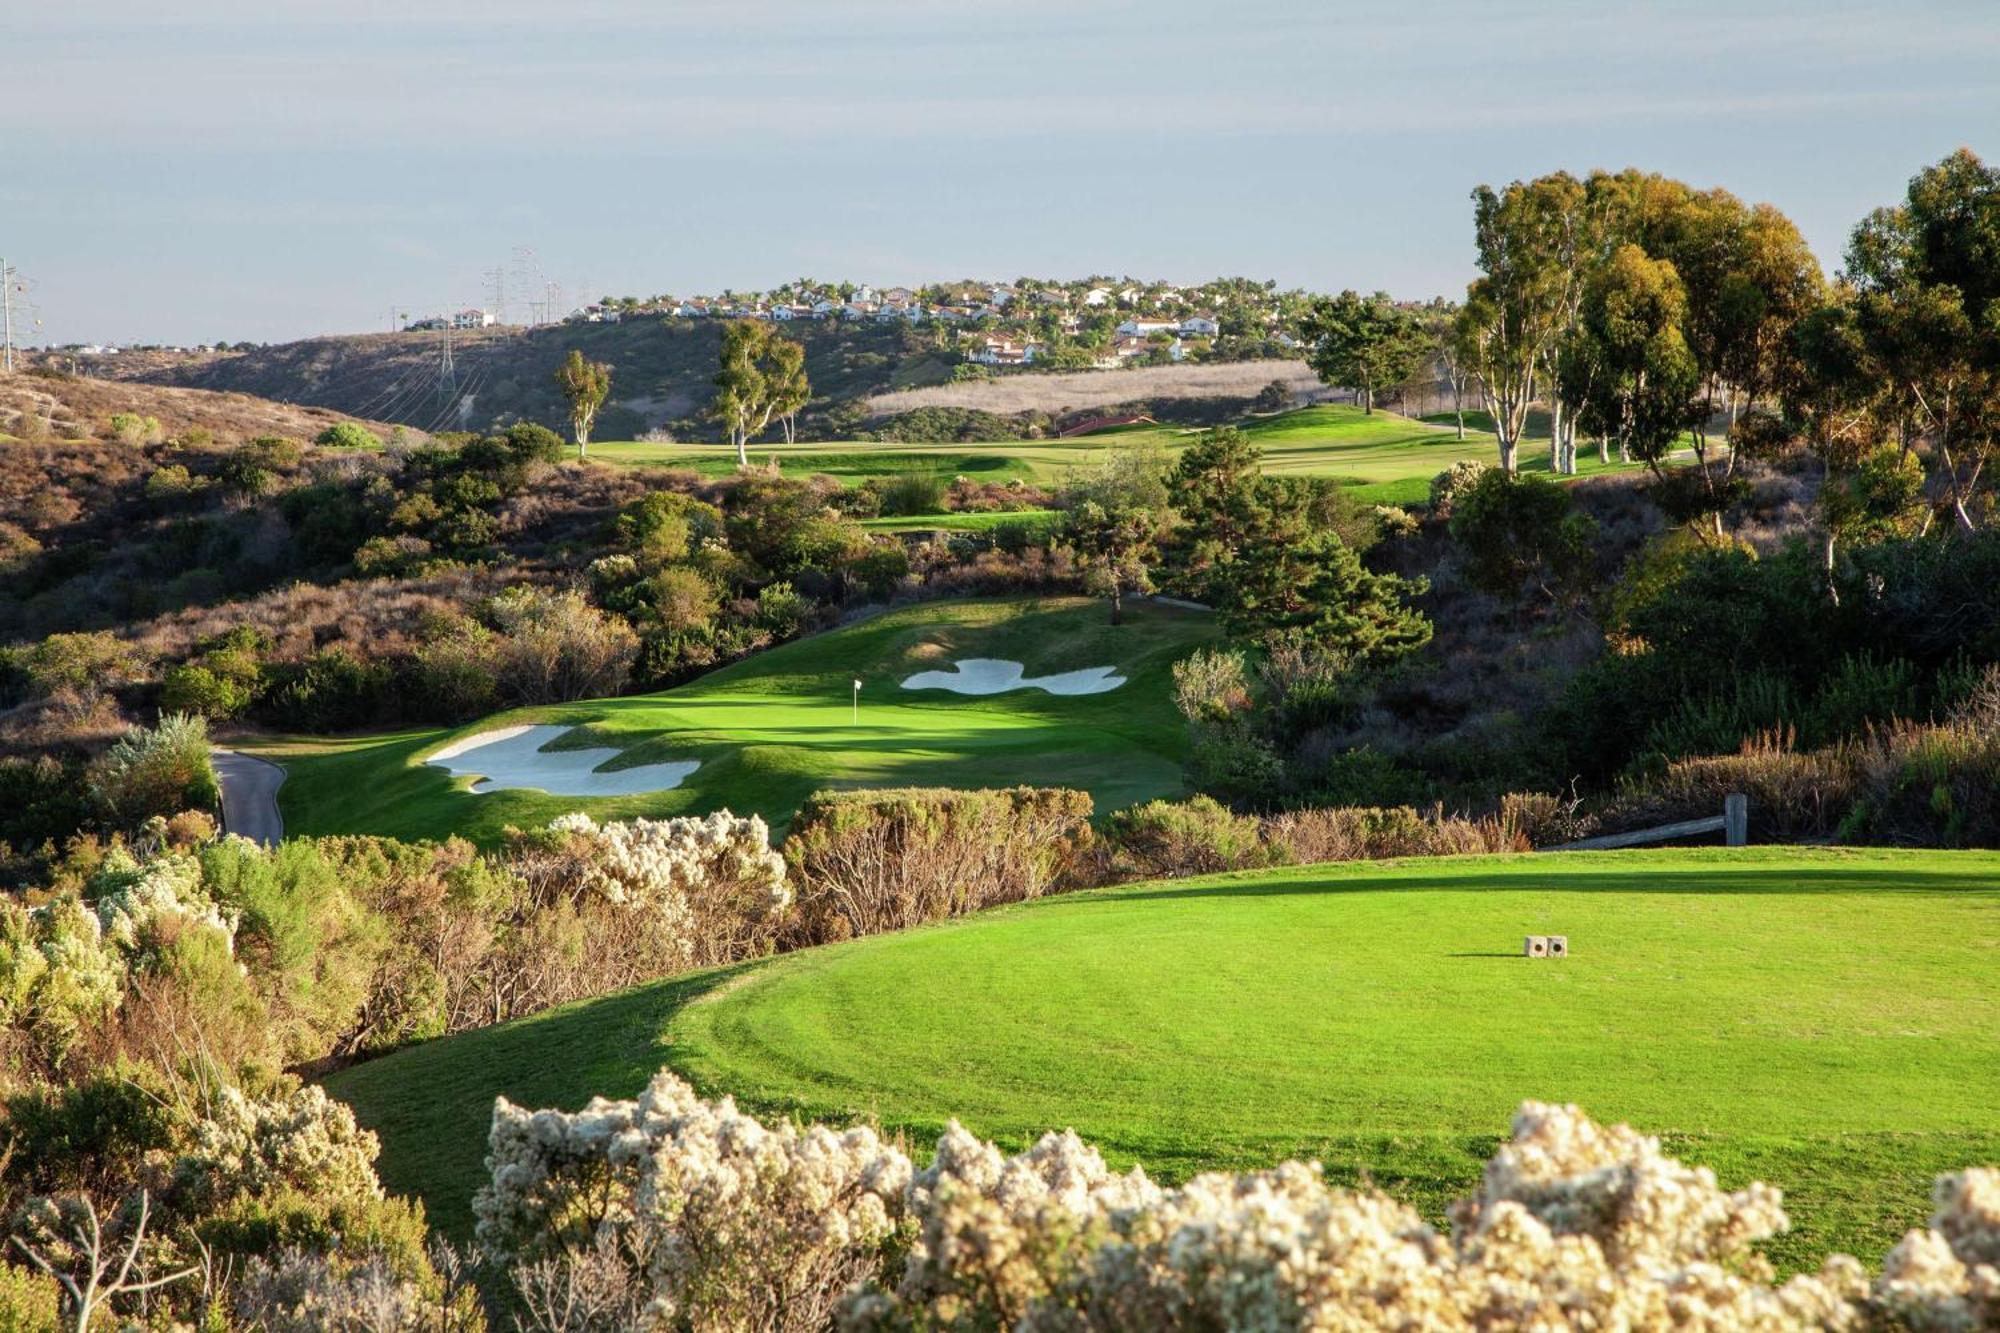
(1805,877)
(432,1104)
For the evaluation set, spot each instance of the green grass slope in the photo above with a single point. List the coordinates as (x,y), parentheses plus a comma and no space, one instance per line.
(776,727)
(1826,1020)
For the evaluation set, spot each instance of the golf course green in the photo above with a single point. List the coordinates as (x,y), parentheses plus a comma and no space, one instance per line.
(774,728)
(1822,1019)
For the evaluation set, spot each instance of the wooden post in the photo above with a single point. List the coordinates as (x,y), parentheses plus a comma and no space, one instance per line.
(1736,819)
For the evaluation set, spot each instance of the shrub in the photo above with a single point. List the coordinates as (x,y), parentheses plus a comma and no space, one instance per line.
(908,494)
(682,599)
(333,690)
(1170,839)
(782,610)
(556,647)
(714,879)
(1862,691)
(452,671)
(1792,794)
(1448,485)
(1365,833)
(170,483)
(1542,819)
(348,435)
(197,690)
(160,770)
(18,549)
(391,557)
(1210,685)
(134,428)
(872,861)
(682,1205)
(80,661)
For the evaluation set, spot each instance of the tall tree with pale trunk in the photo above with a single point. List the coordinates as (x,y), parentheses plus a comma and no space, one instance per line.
(586,384)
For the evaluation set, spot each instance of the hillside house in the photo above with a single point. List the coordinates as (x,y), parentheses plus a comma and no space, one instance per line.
(1005,352)
(1140,326)
(1097,296)
(1202,324)
(474,319)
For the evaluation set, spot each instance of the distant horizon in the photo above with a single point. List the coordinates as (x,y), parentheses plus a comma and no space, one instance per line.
(235,172)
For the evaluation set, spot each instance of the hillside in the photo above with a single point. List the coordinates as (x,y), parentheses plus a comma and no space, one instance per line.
(36,407)
(662,372)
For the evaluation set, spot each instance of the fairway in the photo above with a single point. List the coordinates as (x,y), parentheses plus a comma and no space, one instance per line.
(773,728)
(1386,458)
(1826,1020)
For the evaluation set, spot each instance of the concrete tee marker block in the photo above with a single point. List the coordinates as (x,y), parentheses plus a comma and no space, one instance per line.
(1536,946)
(1558,946)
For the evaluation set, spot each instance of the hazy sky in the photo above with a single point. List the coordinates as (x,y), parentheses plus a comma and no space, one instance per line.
(184,170)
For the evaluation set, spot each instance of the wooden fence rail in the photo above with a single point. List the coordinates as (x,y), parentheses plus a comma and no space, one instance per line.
(1733,823)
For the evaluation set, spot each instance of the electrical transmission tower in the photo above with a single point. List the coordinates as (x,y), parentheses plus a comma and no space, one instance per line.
(528,277)
(447,387)
(496,293)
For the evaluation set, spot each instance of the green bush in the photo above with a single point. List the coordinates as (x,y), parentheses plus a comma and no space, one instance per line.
(161,770)
(191,688)
(1863,691)
(1168,839)
(348,435)
(916,492)
(332,690)
(782,610)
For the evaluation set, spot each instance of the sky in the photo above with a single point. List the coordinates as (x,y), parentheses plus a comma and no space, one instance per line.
(273,169)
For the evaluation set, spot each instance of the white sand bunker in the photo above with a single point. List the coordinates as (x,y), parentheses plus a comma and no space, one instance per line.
(512,758)
(992,675)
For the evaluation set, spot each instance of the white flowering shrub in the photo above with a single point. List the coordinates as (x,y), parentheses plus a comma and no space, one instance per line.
(299,1291)
(307,1141)
(724,1222)
(712,881)
(729,1223)
(58,973)
(134,897)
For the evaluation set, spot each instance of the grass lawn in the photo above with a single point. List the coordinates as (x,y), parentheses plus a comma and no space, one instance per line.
(776,727)
(1827,1020)
(1034,520)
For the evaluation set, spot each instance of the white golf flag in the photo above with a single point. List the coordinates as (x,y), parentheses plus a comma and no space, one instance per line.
(857,684)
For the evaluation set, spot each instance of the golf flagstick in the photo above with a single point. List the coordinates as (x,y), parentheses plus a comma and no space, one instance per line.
(857,703)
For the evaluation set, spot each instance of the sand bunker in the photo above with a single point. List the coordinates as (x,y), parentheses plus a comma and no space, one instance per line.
(512,758)
(992,675)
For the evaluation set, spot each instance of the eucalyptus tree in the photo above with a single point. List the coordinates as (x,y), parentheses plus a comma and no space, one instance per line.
(1927,279)
(586,384)
(761,376)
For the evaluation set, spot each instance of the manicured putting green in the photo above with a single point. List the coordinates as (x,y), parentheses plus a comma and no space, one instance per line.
(1826,1020)
(772,729)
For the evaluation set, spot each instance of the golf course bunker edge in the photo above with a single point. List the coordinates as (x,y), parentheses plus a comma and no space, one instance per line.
(512,758)
(992,675)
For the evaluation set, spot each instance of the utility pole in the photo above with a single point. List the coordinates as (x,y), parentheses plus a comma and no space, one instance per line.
(7,316)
